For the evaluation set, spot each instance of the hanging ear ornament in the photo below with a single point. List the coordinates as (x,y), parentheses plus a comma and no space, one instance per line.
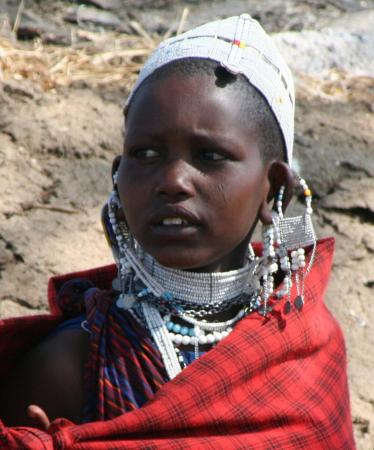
(282,252)
(125,281)
(295,233)
(268,267)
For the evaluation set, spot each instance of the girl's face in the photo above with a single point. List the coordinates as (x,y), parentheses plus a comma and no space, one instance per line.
(191,178)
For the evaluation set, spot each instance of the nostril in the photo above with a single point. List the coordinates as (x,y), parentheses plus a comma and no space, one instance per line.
(169,190)
(176,180)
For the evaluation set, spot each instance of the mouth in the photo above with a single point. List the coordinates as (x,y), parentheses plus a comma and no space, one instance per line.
(175,223)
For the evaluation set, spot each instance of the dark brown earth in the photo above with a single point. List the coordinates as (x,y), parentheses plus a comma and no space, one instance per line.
(57,143)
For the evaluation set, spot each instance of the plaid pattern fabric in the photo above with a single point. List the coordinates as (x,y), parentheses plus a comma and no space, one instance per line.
(274,383)
(124,368)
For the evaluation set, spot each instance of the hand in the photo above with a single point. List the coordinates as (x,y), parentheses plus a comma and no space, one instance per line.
(39,416)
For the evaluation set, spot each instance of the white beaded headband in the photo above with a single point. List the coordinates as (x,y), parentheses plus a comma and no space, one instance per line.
(242,46)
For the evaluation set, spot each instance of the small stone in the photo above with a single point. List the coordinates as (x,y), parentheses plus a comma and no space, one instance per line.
(94,16)
(287,307)
(128,301)
(116,285)
(299,302)
(103,4)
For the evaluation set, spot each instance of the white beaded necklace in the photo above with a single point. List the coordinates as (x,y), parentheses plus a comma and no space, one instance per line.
(197,289)
(202,288)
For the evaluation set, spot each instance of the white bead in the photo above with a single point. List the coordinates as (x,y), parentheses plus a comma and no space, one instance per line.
(172,336)
(202,339)
(224,334)
(273,267)
(186,340)
(294,266)
(309,211)
(302,263)
(294,254)
(210,338)
(193,340)
(178,339)
(301,251)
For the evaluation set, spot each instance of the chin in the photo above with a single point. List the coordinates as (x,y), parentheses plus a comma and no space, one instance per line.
(179,259)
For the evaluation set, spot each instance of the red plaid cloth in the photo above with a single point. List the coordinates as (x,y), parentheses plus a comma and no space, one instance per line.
(274,383)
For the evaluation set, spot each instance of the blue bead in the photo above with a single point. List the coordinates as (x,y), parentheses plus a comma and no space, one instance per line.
(168,296)
(143,292)
(192,332)
(176,328)
(169,325)
(184,331)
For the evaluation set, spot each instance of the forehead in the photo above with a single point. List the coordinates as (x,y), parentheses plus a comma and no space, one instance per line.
(189,101)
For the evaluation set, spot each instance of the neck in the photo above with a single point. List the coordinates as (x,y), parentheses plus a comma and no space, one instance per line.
(235,260)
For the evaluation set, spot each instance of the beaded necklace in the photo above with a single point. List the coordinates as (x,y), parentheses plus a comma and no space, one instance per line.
(159,293)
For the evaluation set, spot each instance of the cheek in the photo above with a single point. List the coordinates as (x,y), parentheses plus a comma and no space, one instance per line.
(238,203)
(245,194)
(131,193)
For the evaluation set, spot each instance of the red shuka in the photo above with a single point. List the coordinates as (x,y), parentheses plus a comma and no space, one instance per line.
(274,383)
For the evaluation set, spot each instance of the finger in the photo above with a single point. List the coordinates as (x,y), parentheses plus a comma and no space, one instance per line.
(37,414)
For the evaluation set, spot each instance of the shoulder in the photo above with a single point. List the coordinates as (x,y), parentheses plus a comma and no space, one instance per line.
(51,376)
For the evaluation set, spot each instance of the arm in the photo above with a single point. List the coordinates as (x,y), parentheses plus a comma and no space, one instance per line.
(50,376)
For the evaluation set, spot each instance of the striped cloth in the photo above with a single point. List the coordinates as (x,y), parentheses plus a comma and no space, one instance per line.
(274,383)
(124,367)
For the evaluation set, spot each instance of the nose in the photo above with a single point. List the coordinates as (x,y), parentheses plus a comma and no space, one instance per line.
(176,180)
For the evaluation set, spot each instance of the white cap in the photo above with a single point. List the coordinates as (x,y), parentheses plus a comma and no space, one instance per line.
(241,45)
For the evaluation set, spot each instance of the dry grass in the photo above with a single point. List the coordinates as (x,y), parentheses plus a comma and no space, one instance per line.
(97,61)
(339,85)
(93,58)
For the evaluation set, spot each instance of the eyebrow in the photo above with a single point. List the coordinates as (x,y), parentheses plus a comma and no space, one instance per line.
(196,135)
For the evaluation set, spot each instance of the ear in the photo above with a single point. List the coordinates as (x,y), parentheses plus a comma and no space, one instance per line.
(115,164)
(279,174)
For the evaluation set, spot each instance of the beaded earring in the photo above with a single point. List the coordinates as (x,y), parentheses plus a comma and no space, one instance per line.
(125,283)
(291,235)
(268,267)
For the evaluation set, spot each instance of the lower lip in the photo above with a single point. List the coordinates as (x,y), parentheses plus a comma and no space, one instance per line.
(175,232)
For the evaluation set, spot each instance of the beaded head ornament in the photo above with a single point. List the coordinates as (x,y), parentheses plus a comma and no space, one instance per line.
(240,45)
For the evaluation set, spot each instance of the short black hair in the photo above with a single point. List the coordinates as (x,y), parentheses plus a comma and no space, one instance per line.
(254,106)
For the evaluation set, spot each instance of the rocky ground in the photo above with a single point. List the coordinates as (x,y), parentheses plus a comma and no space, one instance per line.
(60,130)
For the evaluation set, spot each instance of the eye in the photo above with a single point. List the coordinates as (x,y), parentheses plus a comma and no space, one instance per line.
(212,156)
(144,154)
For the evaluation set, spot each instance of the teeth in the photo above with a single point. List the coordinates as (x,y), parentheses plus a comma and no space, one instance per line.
(174,221)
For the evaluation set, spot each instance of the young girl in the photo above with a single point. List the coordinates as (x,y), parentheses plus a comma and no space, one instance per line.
(200,340)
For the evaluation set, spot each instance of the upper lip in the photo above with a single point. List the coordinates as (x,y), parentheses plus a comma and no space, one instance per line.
(171,211)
